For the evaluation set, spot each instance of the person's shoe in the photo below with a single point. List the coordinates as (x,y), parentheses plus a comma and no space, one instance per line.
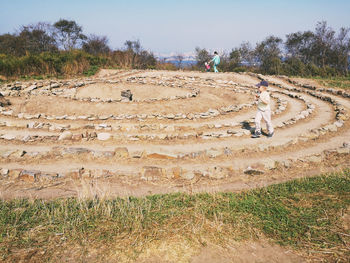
(270,134)
(256,135)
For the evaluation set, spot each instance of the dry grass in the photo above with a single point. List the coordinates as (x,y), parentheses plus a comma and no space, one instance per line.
(174,227)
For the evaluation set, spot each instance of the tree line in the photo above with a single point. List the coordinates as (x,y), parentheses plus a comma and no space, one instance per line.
(322,52)
(62,48)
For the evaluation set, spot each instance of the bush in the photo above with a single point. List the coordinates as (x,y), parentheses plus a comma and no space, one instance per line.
(49,63)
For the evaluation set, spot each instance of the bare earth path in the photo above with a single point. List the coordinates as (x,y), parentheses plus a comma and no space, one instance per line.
(182,132)
(167,141)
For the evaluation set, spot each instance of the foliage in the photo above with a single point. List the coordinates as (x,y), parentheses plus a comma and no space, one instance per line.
(69,34)
(202,56)
(96,45)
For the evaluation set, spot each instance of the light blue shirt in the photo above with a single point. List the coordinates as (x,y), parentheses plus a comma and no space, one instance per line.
(216,60)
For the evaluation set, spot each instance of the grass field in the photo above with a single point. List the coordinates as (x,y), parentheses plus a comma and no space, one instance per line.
(336,82)
(304,214)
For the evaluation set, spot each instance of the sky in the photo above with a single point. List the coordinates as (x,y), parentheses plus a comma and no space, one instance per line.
(178,26)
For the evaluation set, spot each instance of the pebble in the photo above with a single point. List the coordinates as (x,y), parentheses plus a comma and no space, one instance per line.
(103,136)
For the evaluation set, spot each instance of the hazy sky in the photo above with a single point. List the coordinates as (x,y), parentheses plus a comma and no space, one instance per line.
(180,25)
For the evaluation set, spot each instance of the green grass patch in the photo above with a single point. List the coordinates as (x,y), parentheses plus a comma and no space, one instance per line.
(336,82)
(91,71)
(303,213)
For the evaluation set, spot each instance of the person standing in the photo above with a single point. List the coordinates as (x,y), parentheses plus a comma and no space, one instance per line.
(216,61)
(264,110)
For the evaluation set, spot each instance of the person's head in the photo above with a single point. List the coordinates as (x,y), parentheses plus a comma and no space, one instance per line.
(215,53)
(262,85)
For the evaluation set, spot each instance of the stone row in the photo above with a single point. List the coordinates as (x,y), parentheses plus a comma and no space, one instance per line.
(333,91)
(341,112)
(154,173)
(210,113)
(103,136)
(35,89)
(281,106)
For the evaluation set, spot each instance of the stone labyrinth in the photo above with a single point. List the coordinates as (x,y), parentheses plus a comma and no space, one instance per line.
(182,131)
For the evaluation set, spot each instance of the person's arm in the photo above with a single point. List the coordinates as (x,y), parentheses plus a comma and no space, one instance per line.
(264,99)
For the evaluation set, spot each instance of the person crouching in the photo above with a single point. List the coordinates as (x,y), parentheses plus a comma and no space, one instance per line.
(264,110)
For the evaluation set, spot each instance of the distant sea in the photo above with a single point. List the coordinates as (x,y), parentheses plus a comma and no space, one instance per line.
(185,63)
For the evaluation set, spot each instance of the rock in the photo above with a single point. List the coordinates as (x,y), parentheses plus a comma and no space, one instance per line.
(343,150)
(14,173)
(138,154)
(176,172)
(126,94)
(218,173)
(17,154)
(269,164)
(121,152)
(227,151)
(263,147)
(169,129)
(103,136)
(252,171)
(213,153)
(72,150)
(66,135)
(187,175)
(4,172)
(339,123)
(170,116)
(29,176)
(331,128)
(162,156)
(151,173)
(286,163)
(108,154)
(8,137)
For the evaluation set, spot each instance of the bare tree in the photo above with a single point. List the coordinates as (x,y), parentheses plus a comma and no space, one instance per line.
(179,59)
(96,45)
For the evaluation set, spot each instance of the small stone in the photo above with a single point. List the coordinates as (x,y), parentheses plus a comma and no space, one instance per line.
(176,172)
(343,150)
(252,171)
(138,154)
(29,176)
(14,173)
(17,154)
(72,150)
(162,156)
(339,123)
(4,172)
(227,151)
(8,137)
(213,153)
(286,163)
(187,175)
(66,135)
(217,173)
(151,173)
(103,136)
(121,152)
(269,164)
(331,128)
